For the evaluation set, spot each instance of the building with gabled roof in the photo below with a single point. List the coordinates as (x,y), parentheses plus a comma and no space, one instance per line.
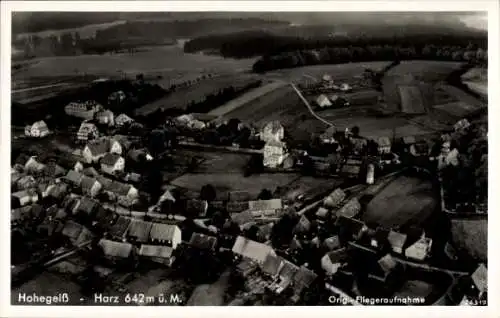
(26,182)
(303,226)
(74,178)
(253,250)
(480,279)
(273,130)
(87,131)
(242,218)
(90,186)
(303,279)
(39,129)
(236,207)
(334,199)
(120,227)
(350,209)
(116,250)
(323,101)
(105,117)
(112,163)
(85,110)
(397,241)
(95,150)
(421,249)
(203,242)
(166,233)
(272,265)
(33,165)
(25,197)
(122,119)
(384,145)
(157,253)
(333,260)
(139,230)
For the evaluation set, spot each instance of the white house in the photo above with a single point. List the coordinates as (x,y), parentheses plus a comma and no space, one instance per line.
(39,129)
(122,120)
(26,197)
(78,167)
(323,101)
(272,131)
(274,153)
(33,166)
(95,150)
(166,233)
(87,131)
(85,110)
(332,261)
(420,249)
(115,146)
(112,163)
(105,117)
(384,145)
(345,87)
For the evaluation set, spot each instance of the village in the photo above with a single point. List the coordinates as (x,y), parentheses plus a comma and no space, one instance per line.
(102,202)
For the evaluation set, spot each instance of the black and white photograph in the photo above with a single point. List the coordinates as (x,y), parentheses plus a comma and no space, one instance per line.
(246,158)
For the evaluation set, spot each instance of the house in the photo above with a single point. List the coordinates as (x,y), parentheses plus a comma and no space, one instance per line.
(90,186)
(55,170)
(379,238)
(323,101)
(333,260)
(386,266)
(253,250)
(197,208)
(58,191)
(86,132)
(26,182)
(119,229)
(332,243)
(203,242)
(90,172)
(95,150)
(275,153)
(303,226)
(420,148)
(322,213)
(302,280)
(286,274)
(139,230)
(72,230)
(78,167)
(25,197)
(272,131)
(480,279)
(118,188)
(157,253)
(265,205)
(85,110)
(122,120)
(351,169)
(112,163)
(461,125)
(166,233)
(408,140)
(384,145)
(166,196)
(421,249)
(73,178)
(236,207)
(133,177)
(44,189)
(39,129)
(33,165)
(334,199)
(20,215)
(352,228)
(50,227)
(242,218)
(105,117)
(86,206)
(272,265)
(397,241)
(115,250)
(350,209)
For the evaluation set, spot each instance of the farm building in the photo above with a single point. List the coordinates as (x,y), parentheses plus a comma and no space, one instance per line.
(39,129)
(112,163)
(122,120)
(275,153)
(139,230)
(157,253)
(118,188)
(105,117)
(25,197)
(261,207)
(87,131)
(85,110)
(323,101)
(252,250)
(272,131)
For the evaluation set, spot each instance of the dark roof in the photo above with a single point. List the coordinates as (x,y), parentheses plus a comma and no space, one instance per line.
(242,217)
(72,230)
(396,239)
(156,251)
(74,177)
(58,191)
(55,170)
(332,242)
(119,188)
(288,270)
(90,171)
(162,232)
(272,264)
(349,224)
(338,256)
(98,147)
(303,225)
(334,198)
(350,209)
(120,227)
(199,207)
(139,229)
(20,214)
(304,277)
(36,210)
(110,159)
(203,241)
(322,212)
(87,205)
(87,183)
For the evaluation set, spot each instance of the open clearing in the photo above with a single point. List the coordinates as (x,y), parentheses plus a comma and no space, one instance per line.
(161,60)
(406,200)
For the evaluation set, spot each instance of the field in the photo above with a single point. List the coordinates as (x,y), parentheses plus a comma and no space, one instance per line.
(406,200)
(457,109)
(411,99)
(167,61)
(427,71)
(471,237)
(196,93)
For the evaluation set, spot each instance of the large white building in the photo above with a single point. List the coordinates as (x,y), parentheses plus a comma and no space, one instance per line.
(85,110)
(275,153)
(87,131)
(39,129)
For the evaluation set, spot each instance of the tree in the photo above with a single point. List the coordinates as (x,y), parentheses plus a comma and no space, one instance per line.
(355,131)
(265,194)
(208,193)
(233,125)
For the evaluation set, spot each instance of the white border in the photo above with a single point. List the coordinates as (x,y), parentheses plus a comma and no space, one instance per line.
(7,7)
